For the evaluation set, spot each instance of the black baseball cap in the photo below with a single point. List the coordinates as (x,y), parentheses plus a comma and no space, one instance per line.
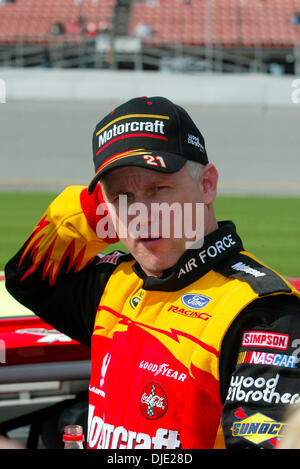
(150,132)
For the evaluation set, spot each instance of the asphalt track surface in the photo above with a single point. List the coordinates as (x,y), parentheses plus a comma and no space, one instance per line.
(46,145)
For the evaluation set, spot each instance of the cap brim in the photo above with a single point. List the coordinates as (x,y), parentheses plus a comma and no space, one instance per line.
(156,161)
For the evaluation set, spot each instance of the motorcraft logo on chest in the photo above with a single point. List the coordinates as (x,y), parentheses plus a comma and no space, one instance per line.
(153,401)
(104,435)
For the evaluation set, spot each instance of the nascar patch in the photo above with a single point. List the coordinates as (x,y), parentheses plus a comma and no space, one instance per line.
(265,339)
(265,358)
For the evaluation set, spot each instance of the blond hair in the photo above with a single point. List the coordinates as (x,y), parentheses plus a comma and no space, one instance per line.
(194,168)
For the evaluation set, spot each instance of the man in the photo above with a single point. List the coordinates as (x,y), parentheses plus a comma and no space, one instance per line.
(192,345)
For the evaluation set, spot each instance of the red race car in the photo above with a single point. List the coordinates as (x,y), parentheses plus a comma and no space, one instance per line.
(44,376)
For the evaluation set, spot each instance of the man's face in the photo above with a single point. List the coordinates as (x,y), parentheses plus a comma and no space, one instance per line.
(152,243)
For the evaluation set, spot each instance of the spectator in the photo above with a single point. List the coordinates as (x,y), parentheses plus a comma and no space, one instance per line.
(57,29)
(143,30)
(91,29)
(296,19)
(152,3)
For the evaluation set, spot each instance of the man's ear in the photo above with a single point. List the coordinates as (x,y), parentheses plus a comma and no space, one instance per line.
(209,182)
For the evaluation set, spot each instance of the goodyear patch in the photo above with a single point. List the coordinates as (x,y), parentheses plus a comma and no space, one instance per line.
(257,428)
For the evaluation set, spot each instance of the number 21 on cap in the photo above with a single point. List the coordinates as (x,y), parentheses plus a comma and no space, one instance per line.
(155,160)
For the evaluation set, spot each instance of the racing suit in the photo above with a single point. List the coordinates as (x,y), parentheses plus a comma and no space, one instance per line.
(204,357)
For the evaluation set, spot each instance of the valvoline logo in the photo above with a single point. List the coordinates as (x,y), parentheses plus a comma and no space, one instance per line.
(195,301)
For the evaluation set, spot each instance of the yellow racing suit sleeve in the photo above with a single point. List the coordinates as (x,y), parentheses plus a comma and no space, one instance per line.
(66,232)
(54,273)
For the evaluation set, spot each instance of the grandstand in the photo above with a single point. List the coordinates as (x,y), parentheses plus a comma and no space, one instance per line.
(30,21)
(228,23)
(195,35)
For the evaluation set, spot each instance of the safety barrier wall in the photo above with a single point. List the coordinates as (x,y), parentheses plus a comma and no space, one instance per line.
(103,85)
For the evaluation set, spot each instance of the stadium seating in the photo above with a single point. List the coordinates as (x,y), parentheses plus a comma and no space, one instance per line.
(244,23)
(30,21)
